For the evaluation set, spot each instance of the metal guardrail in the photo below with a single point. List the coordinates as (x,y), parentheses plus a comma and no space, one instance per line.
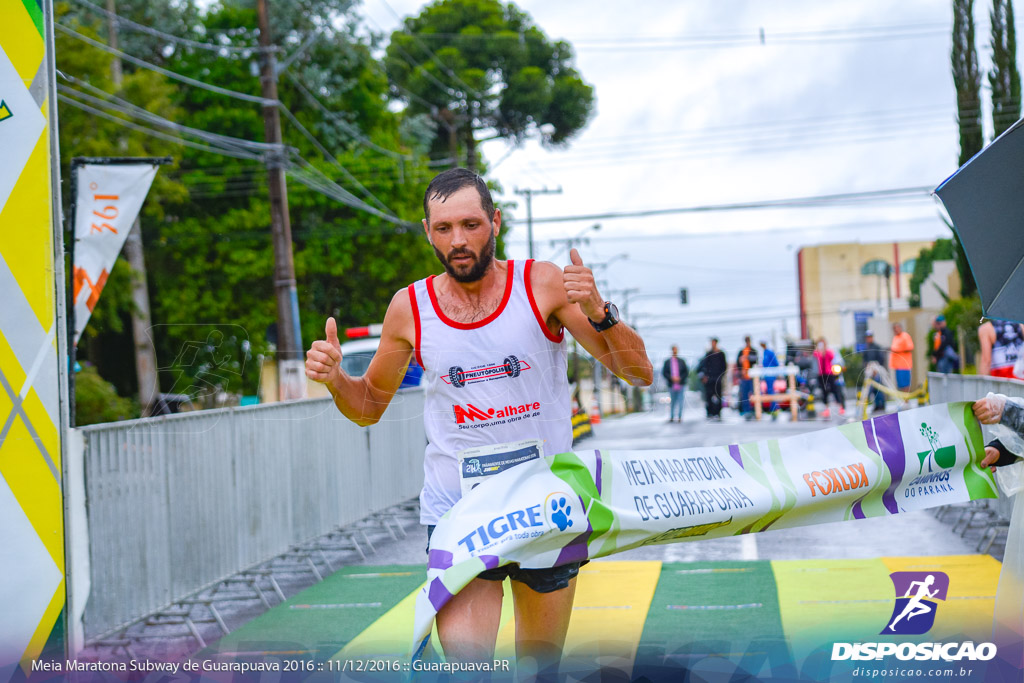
(945,388)
(177,502)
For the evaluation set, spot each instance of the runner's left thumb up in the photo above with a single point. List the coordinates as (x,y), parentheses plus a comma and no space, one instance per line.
(332,333)
(574,256)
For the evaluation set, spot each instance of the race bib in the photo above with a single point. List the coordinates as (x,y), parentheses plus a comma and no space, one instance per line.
(480,462)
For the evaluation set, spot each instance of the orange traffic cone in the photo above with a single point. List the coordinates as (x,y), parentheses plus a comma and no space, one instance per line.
(595,412)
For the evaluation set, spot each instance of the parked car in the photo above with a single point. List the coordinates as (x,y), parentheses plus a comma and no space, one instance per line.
(357,354)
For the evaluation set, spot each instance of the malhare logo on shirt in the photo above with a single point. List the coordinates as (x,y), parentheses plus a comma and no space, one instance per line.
(916,595)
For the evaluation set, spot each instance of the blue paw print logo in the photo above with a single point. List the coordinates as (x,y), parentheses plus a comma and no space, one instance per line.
(560,512)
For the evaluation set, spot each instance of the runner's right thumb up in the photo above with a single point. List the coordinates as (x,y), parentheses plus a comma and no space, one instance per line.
(332,333)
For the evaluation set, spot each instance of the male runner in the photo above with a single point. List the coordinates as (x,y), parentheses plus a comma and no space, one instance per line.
(490,337)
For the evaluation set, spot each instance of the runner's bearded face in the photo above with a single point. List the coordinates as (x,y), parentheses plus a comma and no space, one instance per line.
(462,235)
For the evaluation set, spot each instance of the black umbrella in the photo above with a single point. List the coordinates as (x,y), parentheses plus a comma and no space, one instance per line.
(985,200)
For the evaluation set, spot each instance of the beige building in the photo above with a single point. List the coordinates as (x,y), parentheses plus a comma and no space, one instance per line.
(847,289)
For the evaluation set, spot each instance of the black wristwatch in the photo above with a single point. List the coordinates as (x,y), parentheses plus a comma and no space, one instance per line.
(611,317)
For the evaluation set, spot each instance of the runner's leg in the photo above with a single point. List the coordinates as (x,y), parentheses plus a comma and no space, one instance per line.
(468,624)
(542,620)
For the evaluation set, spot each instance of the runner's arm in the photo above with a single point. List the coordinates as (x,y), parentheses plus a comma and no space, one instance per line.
(986,337)
(619,348)
(364,399)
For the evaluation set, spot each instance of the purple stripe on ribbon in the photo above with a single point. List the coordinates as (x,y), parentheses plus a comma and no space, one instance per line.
(858,509)
(889,439)
(597,474)
(576,550)
(438,594)
(734,451)
(439,559)
(490,561)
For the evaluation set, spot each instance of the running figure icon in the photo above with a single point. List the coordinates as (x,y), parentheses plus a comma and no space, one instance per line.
(916,606)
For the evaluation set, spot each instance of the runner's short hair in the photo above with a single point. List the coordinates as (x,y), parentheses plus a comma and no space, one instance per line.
(445,184)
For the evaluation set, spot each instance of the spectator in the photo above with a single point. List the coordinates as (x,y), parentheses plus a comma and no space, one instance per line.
(873,353)
(901,358)
(676,373)
(769,360)
(944,356)
(827,378)
(1002,344)
(711,369)
(746,359)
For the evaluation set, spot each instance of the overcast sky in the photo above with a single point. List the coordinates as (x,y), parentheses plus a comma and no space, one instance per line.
(693,110)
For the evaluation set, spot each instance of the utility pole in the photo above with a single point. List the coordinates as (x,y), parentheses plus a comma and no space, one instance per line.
(145,354)
(528,193)
(291,379)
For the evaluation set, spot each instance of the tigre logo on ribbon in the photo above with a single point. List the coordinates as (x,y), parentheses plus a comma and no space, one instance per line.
(510,367)
(916,595)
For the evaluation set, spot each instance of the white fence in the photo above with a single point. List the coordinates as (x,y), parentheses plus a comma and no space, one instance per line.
(175,503)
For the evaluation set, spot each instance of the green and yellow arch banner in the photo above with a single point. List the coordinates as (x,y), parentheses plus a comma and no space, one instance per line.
(32,409)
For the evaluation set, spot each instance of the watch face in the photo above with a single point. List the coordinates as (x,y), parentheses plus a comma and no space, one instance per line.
(613,312)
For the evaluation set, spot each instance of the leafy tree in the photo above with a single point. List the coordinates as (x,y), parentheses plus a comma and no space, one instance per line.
(1004,77)
(942,250)
(482,65)
(96,400)
(967,80)
(106,340)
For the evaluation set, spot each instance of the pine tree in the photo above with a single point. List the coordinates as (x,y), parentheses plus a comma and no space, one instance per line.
(1004,77)
(967,80)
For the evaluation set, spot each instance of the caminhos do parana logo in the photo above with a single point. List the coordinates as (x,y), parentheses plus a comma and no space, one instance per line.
(510,367)
(943,457)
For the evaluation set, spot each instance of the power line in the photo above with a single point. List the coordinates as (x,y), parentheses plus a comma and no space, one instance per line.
(128,23)
(125,107)
(154,133)
(166,72)
(894,194)
(330,157)
(351,128)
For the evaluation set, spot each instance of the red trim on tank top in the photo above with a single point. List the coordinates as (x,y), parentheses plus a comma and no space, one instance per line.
(479,323)
(416,323)
(536,311)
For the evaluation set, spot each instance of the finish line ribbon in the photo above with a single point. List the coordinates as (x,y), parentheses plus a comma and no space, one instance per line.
(577,506)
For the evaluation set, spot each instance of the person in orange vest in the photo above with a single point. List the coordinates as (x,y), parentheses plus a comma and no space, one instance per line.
(901,358)
(746,359)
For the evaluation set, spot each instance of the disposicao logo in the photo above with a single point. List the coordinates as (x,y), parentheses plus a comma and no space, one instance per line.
(914,613)
(916,595)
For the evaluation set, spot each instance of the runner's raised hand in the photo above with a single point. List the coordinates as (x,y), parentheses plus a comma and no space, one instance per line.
(581,289)
(323,360)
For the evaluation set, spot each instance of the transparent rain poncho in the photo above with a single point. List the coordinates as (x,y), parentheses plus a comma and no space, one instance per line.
(1009,610)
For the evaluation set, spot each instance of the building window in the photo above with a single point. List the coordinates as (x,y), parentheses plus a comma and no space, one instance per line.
(908,266)
(876,267)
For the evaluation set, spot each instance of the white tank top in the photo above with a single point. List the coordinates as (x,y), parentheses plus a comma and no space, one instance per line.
(495,381)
